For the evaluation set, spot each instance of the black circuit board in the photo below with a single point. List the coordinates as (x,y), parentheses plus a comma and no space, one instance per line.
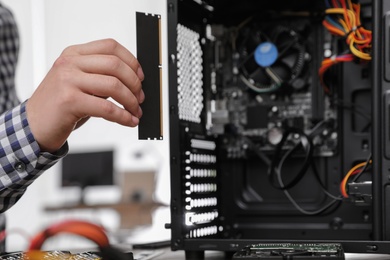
(292,251)
(263,119)
(241,104)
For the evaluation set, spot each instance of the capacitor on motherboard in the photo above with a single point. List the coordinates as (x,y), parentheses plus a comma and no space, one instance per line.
(275,135)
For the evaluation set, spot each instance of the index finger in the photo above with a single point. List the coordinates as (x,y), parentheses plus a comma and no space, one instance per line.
(107,47)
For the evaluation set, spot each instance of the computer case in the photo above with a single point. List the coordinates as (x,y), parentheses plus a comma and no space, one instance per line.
(261,142)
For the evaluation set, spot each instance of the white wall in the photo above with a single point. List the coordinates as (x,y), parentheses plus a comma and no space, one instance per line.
(47,27)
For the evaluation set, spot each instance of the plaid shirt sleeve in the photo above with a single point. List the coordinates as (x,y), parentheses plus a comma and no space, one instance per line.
(21,160)
(20,157)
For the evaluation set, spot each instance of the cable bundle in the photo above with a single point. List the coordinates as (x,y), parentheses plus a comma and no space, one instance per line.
(88,230)
(342,19)
(329,62)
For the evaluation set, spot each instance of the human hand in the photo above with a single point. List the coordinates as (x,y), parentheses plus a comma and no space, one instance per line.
(77,87)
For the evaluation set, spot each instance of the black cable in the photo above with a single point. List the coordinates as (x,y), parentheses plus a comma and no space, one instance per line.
(355,109)
(275,166)
(317,176)
(306,144)
(257,151)
(112,253)
(292,200)
(357,176)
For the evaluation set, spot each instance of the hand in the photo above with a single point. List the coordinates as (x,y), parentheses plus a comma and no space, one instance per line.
(77,87)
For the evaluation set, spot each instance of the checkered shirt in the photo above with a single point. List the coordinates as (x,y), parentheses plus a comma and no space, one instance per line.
(21,160)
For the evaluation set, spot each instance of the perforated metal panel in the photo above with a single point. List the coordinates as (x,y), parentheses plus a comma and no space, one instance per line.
(200,188)
(189,65)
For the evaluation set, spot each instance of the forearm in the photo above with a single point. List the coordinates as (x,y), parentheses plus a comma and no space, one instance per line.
(21,160)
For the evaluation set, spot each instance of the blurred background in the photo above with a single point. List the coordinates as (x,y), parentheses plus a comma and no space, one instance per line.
(46,28)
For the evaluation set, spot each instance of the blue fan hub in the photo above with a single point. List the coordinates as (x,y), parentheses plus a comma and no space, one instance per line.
(266,54)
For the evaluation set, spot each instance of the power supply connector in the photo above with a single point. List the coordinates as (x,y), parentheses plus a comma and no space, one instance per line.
(360,192)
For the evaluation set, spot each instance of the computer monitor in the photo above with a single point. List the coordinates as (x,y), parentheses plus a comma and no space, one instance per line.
(84,169)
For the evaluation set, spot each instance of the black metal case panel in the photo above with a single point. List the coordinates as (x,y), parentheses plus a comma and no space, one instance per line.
(245,113)
(381,142)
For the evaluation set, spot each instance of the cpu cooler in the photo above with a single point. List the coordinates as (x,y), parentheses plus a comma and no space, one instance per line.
(271,57)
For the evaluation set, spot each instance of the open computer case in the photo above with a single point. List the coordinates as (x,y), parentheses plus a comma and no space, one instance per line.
(279,123)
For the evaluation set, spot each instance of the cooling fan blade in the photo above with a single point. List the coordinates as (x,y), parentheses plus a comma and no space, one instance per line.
(272,59)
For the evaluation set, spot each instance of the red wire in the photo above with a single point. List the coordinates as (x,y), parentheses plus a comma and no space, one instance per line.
(86,229)
(345,13)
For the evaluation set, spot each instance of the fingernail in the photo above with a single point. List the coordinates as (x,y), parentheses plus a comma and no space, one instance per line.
(140,73)
(135,120)
(140,113)
(141,97)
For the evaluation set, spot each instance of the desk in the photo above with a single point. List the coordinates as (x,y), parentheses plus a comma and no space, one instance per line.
(167,254)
